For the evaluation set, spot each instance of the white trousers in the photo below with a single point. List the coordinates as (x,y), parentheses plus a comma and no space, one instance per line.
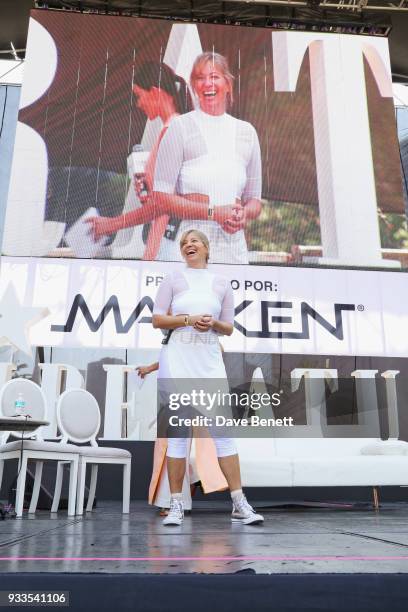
(178,447)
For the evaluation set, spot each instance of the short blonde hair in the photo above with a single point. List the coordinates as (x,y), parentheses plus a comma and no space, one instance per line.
(218,60)
(199,235)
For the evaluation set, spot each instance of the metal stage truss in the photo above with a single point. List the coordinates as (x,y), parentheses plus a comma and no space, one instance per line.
(370,17)
(129,6)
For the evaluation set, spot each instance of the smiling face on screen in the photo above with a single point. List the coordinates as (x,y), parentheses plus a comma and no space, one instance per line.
(211,87)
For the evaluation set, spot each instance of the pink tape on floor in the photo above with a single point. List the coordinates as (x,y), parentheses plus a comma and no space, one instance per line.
(246,558)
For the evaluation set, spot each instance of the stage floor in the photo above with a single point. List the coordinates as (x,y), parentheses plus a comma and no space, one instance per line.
(295,539)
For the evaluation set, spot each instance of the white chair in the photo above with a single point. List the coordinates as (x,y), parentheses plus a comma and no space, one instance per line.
(33,449)
(79,419)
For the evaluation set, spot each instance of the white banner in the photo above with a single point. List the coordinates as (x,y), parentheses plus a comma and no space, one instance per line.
(278,309)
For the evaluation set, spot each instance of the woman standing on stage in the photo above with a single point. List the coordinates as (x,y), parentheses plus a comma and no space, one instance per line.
(201,306)
(208,168)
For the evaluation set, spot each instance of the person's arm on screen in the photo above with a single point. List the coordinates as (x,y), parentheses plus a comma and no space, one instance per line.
(193,206)
(154,237)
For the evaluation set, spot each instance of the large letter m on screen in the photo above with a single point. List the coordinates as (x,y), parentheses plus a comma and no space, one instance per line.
(79,304)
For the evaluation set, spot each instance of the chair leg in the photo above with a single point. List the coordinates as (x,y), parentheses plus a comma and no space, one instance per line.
(126,488)
(37,484)
(81,486)
(73,483)
(376,500)
(21,480)
(58,486)
(1,471)
(92,487)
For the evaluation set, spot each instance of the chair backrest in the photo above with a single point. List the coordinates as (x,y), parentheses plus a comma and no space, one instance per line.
(35,403)
(78,416)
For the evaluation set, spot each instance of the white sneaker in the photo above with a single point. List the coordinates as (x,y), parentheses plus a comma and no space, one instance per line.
(176,513)
(243,512)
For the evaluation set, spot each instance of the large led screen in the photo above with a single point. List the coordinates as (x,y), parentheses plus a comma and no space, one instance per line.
(280,146)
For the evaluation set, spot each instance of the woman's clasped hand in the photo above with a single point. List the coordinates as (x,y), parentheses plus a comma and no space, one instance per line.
(202,322)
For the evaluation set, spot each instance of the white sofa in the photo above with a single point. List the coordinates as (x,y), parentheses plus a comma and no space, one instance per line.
(323,462)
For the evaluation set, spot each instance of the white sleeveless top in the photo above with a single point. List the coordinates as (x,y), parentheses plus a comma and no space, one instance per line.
(195,291)
(190,353)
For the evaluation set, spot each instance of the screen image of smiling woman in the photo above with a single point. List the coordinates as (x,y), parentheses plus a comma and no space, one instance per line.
(208,169)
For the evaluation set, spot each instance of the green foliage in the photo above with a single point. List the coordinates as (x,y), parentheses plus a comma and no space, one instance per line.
(393,230)
(283,224)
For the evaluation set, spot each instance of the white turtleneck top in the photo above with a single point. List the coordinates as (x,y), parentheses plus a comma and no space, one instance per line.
(217,156)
